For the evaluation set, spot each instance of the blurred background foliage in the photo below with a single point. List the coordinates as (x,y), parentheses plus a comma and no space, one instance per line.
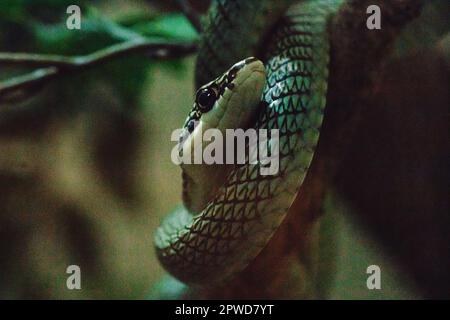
(107,131)
(85,170)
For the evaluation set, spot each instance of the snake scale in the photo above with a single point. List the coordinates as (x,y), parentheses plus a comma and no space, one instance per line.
(291,38)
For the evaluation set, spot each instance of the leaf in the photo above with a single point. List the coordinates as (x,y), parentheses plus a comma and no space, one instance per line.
(171,26)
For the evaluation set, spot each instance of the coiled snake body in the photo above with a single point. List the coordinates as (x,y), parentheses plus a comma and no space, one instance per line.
(214,243)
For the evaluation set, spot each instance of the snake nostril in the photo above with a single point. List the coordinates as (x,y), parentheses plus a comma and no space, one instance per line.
(191,126)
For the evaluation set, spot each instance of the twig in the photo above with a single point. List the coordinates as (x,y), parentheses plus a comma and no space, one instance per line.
(191,14)
(55,65)
(27,81)
(156,50)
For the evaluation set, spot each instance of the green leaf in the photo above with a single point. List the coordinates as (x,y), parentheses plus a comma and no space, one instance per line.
(172,26)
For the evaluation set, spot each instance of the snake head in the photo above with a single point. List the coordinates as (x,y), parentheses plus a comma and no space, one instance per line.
(227,97)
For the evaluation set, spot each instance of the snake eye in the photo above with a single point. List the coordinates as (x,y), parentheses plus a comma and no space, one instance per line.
(206,99)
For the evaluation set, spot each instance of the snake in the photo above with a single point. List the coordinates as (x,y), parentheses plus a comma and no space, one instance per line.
(270,63)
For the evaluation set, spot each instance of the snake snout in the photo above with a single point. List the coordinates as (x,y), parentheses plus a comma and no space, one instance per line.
(246,66)
(240,104)
(241,64)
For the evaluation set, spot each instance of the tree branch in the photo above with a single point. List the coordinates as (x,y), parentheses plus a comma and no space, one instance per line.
(54,65)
